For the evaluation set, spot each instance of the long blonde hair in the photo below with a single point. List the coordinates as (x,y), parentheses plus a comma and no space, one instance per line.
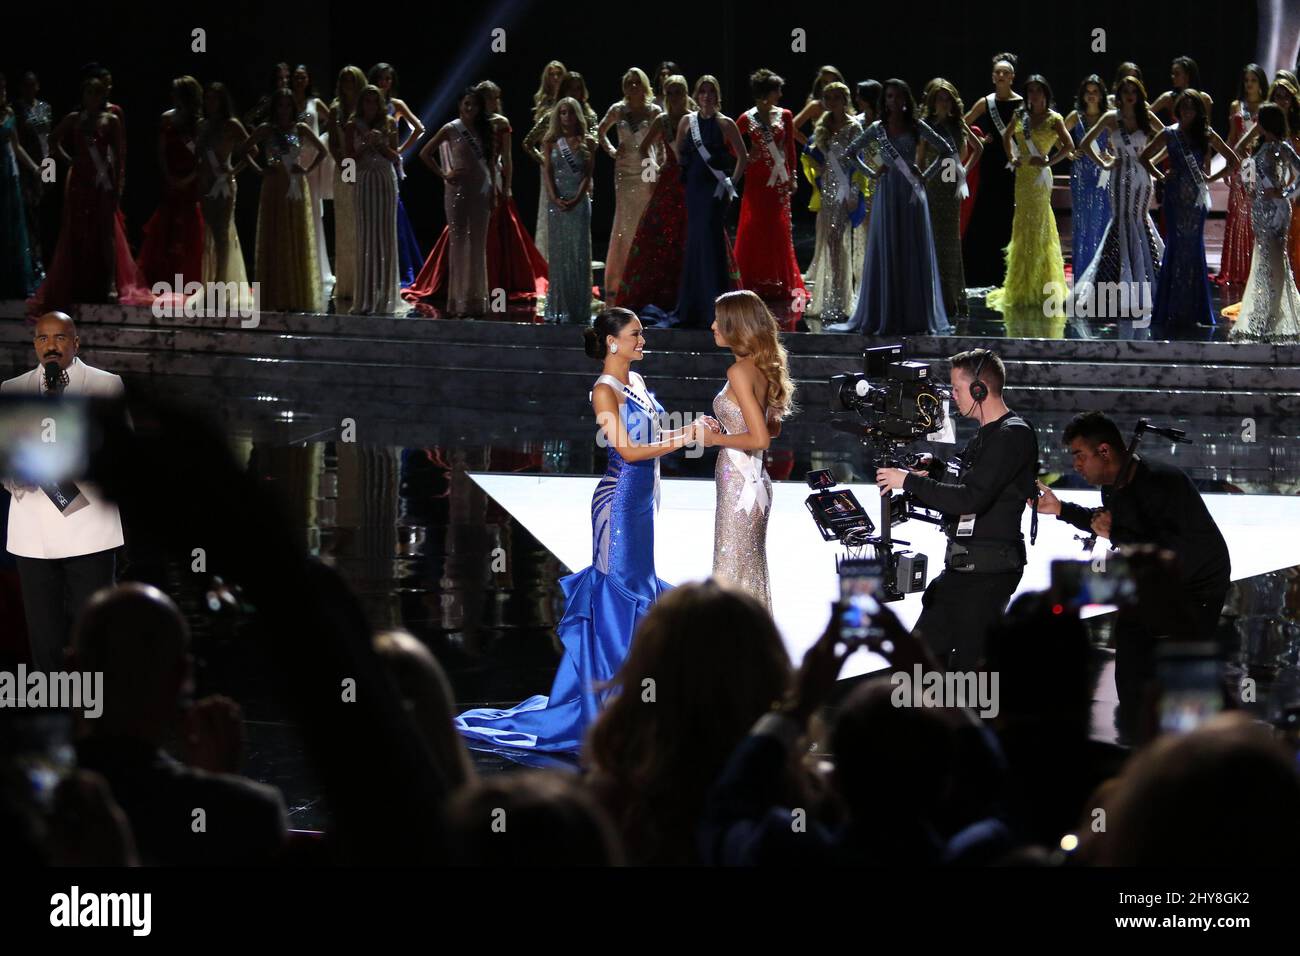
(638,74)
(822,129)
(751,331)
(554,131)
(359,82)
(543,100)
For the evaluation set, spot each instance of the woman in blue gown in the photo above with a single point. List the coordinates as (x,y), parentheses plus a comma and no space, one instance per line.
(605,602)
(900,292)
(409,256)
(1182,299)
(1089,196)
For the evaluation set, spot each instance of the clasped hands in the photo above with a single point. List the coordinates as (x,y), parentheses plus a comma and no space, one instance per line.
(702,431)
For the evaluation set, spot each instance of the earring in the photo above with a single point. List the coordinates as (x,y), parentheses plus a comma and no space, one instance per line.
(613,346)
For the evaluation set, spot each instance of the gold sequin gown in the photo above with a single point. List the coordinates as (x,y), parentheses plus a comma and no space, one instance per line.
(632,192)
(744,494)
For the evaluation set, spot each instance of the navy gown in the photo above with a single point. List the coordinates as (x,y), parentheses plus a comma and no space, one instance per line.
(603,604)
(900,292)
(708,265)
(1182,299)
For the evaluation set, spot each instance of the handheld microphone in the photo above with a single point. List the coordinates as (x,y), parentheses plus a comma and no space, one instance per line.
(54,377)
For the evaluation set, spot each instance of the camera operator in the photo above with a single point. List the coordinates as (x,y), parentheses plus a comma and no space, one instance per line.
(982,498)
(1145,503)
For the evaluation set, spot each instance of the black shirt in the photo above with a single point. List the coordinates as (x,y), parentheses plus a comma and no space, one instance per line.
(1161,506)
(998,468)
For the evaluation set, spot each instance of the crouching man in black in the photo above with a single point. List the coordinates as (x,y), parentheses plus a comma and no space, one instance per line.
(982,498)
(1145,503)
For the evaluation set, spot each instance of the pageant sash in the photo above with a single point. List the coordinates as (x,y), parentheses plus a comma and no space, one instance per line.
(102,179)
(220,185)
(644,401)
(477,149)
(1044,172)
(779,172)
(1103,180)
(566,153)
(725,185)
(1194,169)
(991,107)
(892,155)
(750,466)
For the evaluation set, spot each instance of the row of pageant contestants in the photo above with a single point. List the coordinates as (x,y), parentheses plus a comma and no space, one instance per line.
(605,602)
(306,153)
(904,269)
(931,230)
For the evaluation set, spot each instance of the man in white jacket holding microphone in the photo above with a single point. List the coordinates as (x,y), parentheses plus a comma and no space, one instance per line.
(64,536)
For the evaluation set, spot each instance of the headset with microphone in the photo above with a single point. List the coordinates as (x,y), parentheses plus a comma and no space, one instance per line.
(978,390)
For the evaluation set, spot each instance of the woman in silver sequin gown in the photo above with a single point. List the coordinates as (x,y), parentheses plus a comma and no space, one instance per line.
(1270,308)
(371,137)
(750,407)
(832,272)
(569,159)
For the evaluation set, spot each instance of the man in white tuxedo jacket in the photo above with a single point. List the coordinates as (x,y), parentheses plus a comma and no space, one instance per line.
(63,556)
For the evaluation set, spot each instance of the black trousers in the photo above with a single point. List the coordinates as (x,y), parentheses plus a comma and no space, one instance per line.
(959,607)
(54,591)
(1135,646)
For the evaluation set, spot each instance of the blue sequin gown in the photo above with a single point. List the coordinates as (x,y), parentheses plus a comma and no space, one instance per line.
(1182,299)
(1089,203)
(603,603)
(900,291)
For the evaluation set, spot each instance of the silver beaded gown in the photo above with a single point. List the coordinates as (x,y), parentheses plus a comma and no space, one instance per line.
(1270,306)
(744,495)
(569,233)
(376,287)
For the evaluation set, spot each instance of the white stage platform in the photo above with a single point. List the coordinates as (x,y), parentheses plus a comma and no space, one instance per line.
(1262,531)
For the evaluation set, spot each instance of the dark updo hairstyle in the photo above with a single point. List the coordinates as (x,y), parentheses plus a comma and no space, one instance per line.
(1009,57)
(1190,70)
(1272,118)
(909,101)
(609,322)
(870,91)
(763,82)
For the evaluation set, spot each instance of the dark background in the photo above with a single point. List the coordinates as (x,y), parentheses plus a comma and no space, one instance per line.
(438,49)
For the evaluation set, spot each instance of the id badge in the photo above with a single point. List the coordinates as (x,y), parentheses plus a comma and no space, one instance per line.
(966,526)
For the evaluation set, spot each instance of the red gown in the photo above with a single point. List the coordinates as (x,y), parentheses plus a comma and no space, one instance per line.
(173,236)
(92,258)
(654,265)
(1238,235)
(764,245)
(513,261)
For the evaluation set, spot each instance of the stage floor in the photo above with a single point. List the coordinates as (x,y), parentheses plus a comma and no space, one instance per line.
(556,510)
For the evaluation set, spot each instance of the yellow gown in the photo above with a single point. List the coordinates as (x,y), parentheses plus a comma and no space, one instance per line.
(1033,257)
